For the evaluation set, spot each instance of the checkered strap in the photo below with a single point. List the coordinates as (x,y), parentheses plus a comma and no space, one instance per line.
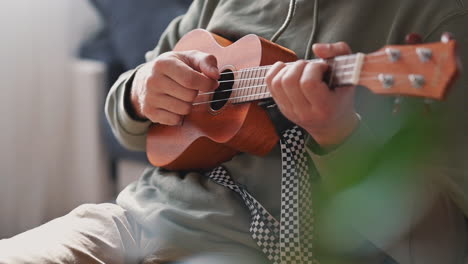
(291,240)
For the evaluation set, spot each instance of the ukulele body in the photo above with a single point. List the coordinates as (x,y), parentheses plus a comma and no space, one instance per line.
(212,134)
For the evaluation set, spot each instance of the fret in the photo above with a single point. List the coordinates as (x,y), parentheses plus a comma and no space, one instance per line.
(340,73)
(246,91)
(259,82)
(254,91)
(264,88)
(344,70)
(360,57)
(235,86)
(342,77)
(241,84)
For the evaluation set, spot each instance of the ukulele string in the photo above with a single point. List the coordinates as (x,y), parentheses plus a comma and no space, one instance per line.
(234,89)
(238,97)
(364,76)
(376,57)
(397,82)
(261,79)
(342,58)
(385,58)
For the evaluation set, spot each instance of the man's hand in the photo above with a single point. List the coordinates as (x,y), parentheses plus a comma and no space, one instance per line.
(163,90)
(302,96)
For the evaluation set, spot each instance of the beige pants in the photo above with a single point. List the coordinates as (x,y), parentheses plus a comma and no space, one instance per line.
(102,233)
(105,233)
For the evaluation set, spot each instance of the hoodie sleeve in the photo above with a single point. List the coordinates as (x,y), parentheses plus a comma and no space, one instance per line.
(130,132)
(347,157)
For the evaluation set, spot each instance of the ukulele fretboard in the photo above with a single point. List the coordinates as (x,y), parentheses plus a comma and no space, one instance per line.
(250,85)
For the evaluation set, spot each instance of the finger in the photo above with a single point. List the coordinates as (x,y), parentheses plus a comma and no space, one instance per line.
(170,104)
(312,84)
(326,51)
(164,117)
(274,70)
(184,75)
(291,84)
(278,91)
(201,62)
(172,88)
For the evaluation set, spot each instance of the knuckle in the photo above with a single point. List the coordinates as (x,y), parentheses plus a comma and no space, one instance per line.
(192,95)
(203,85)
(307,83)
(211,58)
(161,63)
(185,109)
(279,64)
(147,110)
(274,71)
(341,43)
(157,116)
(288,80)
(269,77)
(315,66)
(300,62)
(191,53)
(173,120)
(277,81)
(195,55)
(150,82)
(153,115)
(343,47)
(188,80)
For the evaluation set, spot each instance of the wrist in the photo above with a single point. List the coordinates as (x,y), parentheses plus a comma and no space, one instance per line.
(131,100)
(336,133)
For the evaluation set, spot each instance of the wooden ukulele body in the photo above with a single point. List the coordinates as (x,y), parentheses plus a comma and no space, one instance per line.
(209,137)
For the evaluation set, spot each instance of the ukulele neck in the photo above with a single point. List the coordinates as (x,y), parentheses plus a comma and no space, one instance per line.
(251,85)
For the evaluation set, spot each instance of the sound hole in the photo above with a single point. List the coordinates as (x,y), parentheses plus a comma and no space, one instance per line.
(224,91)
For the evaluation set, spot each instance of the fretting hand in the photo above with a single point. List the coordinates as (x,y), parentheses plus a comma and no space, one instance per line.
(298,89)
(164,89)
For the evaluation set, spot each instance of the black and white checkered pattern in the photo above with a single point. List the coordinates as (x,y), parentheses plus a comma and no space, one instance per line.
(291,240)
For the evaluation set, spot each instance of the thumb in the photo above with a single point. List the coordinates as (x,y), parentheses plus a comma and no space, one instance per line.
(202,62)
(327,51)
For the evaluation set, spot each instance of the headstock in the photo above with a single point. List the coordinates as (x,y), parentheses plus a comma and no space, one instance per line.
(421,70)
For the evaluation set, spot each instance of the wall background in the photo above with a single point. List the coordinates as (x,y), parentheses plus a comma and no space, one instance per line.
(47,164)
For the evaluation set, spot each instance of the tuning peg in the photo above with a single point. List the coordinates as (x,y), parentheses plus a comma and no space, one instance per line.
(428,106)
(413,39)
(447,37)
(397,105)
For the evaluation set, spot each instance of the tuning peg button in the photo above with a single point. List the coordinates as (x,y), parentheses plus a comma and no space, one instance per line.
(424,54)
(447,37)
(418,81)
(428,105)
(397,105)
(413,39)
(393,54)
(387,80)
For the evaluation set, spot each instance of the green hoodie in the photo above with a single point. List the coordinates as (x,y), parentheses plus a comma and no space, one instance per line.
(367,25)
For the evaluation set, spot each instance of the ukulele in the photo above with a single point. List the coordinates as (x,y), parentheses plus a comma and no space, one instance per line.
(229,120)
